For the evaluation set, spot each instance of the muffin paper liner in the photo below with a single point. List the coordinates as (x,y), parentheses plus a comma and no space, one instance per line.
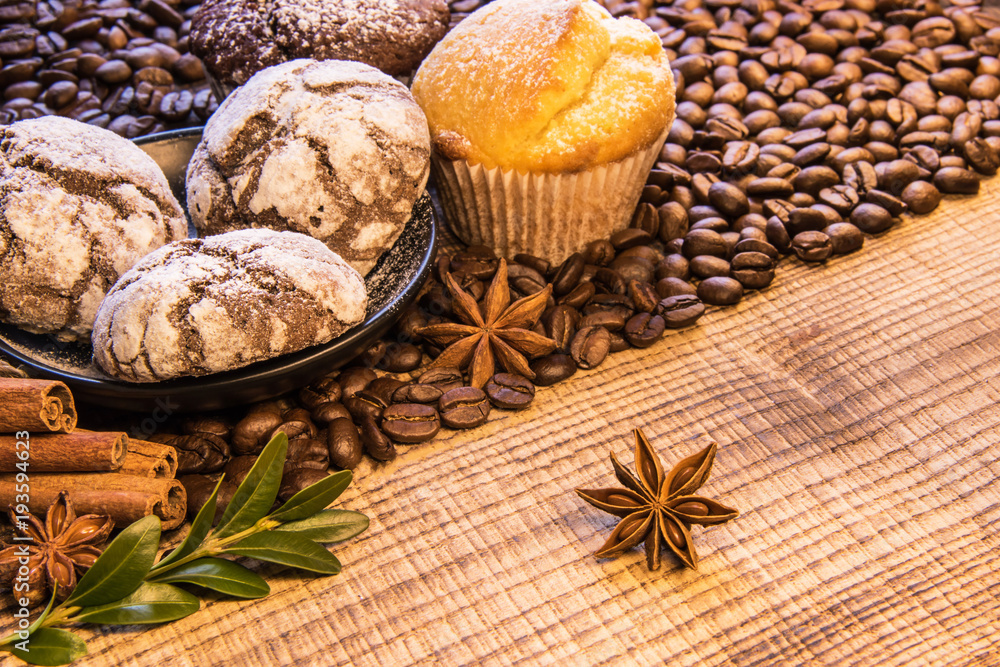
(547,215)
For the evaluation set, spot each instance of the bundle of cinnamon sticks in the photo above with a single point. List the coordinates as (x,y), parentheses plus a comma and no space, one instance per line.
(104,472)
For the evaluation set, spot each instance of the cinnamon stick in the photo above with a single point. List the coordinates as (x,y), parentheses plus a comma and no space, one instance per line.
(35,406)
(63,452)
(126,498)
(150,459)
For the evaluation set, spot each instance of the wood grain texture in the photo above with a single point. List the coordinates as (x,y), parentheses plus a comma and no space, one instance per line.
(856,410)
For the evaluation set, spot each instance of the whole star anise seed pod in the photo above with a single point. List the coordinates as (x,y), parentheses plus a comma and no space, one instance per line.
(656,508)
(498,332)
(61,547)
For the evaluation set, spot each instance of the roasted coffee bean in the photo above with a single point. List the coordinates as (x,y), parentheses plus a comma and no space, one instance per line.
(955,180)
(670,286)
(552,368)
(560,326)
(704,242)
(981,156)
(509,391)
(354,379)
(114,72)
(644,329)
(720,291)
(344,444)
(844,237)
(376,443)
(479,262)
(327,412)
(777,235)
(753,270)
(238,467)
(612,320)
(365,405)
(609,281)
(324,390)
(601,252)
(633,268)
(643,295)
(298,478)
(756,245)
(629,238)
(673,223)
(580,295)
(252,433)
(464,407)
(199,489)
(871,218)
(568,275)
(444,378)
(841,198)
(812,246)
(706,266)
(308,452)
(417,393)
(673,266)
(894,205)
(411,422)
(804,219)
(921,197)
(728,199)
(591,345)
(680,311)
(401,358)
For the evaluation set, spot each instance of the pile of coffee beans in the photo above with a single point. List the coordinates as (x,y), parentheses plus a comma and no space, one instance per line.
(117,64)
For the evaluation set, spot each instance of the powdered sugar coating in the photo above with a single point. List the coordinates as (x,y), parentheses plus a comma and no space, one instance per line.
(333,149)
(201,306)
(236,38)
(79,206)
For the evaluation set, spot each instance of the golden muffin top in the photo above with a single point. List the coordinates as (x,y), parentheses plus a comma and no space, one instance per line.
(545,86)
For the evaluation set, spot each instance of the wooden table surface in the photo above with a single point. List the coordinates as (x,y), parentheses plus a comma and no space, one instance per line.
(856,410)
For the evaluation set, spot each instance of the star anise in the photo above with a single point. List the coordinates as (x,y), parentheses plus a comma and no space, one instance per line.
(61,547)
(499,331)
(657,508)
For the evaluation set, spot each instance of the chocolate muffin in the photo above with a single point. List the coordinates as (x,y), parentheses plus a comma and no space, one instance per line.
(334,149)
(237,38)
(79,206)
(201,306)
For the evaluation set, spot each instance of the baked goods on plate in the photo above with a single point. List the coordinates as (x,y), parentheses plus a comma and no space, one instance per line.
(237,38)
(392,285)
(545,118)
(79,206)
(334,149)
(201,306)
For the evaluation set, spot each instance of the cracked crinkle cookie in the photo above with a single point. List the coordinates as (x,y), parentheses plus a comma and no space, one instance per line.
(79,206)
(201,306)
(237,38)
(333,149)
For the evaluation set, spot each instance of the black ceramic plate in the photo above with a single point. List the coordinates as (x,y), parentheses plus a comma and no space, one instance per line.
(392,285)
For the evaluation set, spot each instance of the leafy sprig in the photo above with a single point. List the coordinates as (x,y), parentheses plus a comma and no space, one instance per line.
(127,585)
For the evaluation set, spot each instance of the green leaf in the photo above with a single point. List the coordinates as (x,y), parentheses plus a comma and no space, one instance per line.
(313,498)
(50,646)
(199,529)
(48,608)
(150,603)
(121,568)
(220,575)
(254,497)
(328,526)
(287,549)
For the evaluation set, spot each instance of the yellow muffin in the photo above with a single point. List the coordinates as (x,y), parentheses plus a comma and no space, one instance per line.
(550,85)
(545,118)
